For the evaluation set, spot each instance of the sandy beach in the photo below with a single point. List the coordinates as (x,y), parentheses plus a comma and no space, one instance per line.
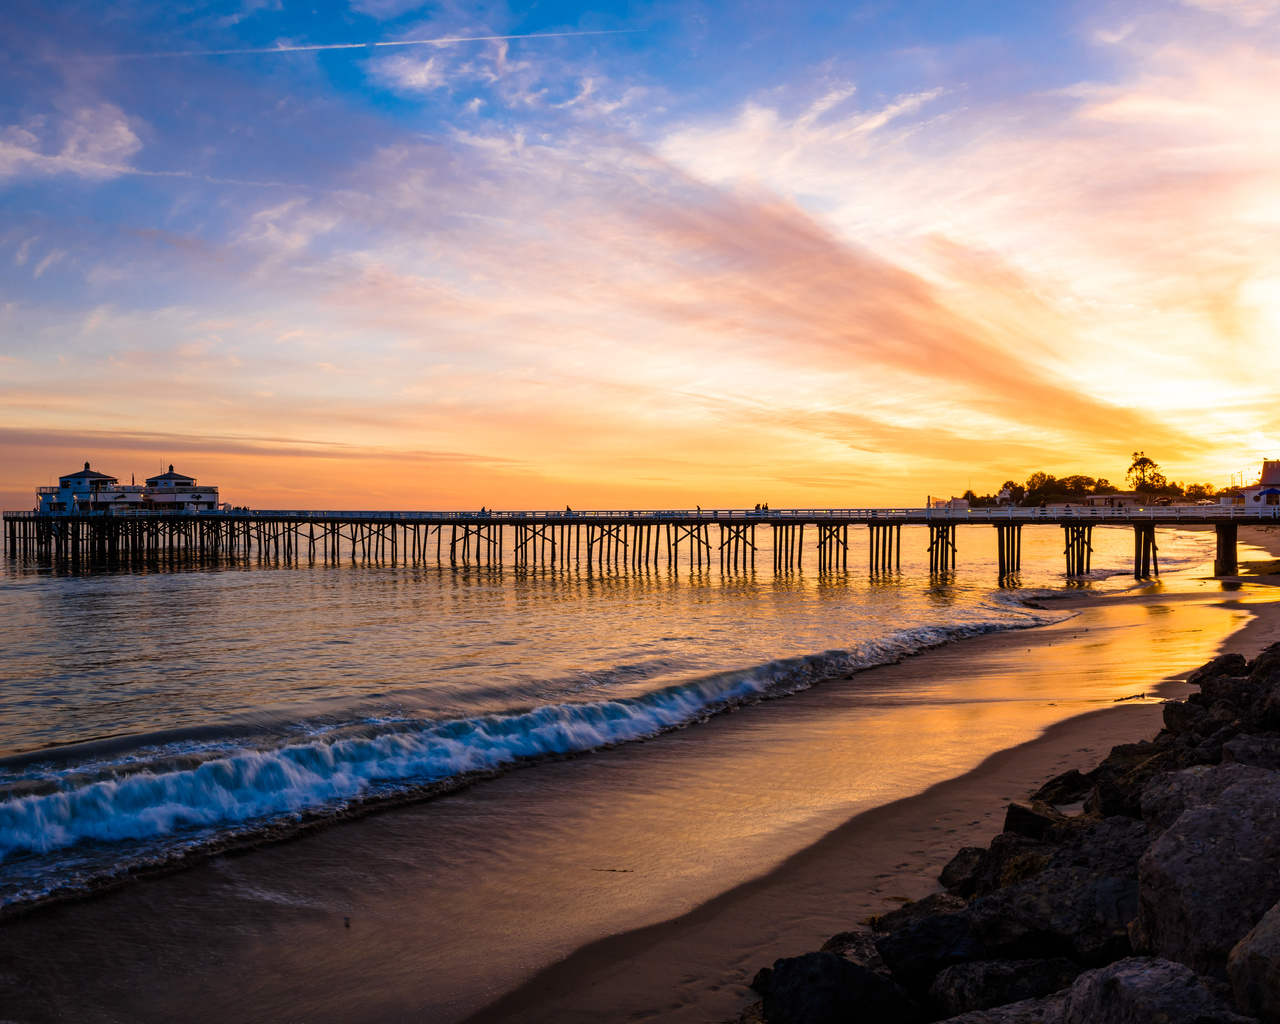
(651,879)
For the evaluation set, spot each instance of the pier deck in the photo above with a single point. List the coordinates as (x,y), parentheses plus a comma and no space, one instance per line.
(639,537)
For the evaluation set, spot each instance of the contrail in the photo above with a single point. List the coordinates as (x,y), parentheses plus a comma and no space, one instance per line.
(365,46)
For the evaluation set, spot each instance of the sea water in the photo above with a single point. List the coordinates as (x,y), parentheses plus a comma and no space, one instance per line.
(161,710)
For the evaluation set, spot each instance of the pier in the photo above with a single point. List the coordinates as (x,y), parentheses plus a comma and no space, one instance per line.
(611,539)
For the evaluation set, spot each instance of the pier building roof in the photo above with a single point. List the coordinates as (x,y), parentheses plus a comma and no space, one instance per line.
(171,475)
(84,475)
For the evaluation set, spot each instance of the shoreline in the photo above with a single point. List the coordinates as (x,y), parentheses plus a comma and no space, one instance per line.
(140,915)
(312,821)
(860,861)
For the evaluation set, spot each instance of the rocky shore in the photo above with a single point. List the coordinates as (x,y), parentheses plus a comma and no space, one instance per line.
(1146,889)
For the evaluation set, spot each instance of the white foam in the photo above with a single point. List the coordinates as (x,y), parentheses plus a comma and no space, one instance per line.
(235,789)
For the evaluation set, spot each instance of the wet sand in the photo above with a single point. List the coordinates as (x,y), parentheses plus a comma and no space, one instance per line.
(701,855)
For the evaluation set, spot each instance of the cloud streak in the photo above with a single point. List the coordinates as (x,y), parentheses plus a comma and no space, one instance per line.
(368,46)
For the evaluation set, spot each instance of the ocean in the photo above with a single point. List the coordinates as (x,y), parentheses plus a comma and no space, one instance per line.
(157,711)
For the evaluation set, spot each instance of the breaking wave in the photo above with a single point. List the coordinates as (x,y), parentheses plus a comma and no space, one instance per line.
(69,827)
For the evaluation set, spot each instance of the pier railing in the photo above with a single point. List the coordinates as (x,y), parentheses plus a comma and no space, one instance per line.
(637,537)
(1165,514)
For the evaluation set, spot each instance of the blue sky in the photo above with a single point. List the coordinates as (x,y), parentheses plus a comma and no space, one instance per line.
(839,253)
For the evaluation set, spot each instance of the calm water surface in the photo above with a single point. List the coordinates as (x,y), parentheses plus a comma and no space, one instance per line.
(156,710)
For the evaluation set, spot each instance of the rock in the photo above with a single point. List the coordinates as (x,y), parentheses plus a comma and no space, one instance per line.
(753,1014)
(988,983)
(1025,821)
(1180,717)
(1111,847)
(1222,665)
(909,913)
(1254,969)
(1260,750)
(1109,799)
(822,988)
(1209,878)
(920,950)
(1143,990)
(1167,796)
(760,983)
(1029,1011)
(963,870)
(1066,788)
(1012,858)
(1265,666)
(856,947)
(1209,750)
(1234,690)
(1064,912)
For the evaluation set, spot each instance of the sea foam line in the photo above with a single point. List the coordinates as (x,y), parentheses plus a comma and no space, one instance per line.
(327,772)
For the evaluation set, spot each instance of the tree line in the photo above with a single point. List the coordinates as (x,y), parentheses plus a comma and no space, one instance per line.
(1144,476)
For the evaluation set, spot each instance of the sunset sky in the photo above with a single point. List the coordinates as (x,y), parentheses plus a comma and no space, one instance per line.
(834,254)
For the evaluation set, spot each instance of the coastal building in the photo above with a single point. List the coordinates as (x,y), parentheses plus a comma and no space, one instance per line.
(176,492)
(1266,491)
(87,490)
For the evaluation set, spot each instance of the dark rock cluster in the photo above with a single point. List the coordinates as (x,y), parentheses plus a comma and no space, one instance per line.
(1158,900)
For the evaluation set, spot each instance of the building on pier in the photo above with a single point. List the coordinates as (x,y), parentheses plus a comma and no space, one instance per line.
(87,490)
(1267,490)
(176,492)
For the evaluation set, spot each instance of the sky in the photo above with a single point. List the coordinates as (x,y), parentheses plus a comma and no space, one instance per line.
(381,254)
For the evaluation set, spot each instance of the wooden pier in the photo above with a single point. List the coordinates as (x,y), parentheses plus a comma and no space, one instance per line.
(607,539)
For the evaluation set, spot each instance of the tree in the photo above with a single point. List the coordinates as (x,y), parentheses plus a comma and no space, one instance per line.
(1144,473)
(1040,481)
(1016,491)
(1078,486)
(1198,492)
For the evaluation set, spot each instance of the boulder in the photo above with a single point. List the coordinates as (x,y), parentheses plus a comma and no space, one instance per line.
(822,988)
(909,913)
(963,870)
(1066,788)
(1167,796)
(1029,1011)
(1222,665)
(988,983)
(1265,666)
(1180,717)
(1260,750)
(1069,911)
(1234,690)
(918,951)
(1143,990)
(1254,969)
(856,947)
(1012,858)
(1113,846)
(1030,822)
(1209,878)
(753,1014)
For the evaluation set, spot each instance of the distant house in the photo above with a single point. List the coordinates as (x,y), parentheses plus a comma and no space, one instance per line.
(87,490)
(1265,492)
(176,492)
(955,503)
